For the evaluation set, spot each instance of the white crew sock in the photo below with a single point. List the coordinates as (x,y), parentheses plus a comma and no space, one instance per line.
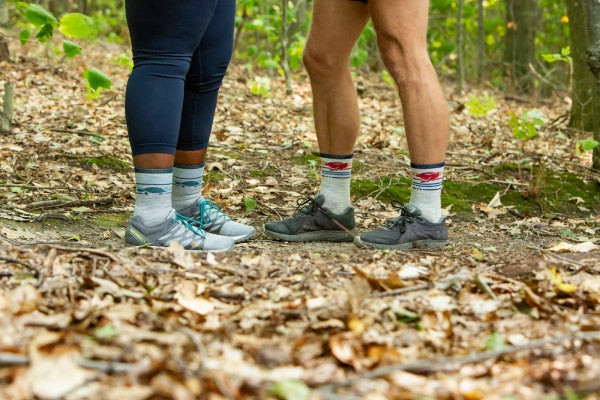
(187,185)
(153,195)
(335,181)
(427,190)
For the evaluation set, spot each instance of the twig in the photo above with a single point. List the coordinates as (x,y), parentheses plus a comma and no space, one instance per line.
(396,292)
(13,360)
(85,133)
(484,286)
(449,364)
(76,203)
(36,272)
(88,250)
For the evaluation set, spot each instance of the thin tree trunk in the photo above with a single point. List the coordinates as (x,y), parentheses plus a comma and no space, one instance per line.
(7,111)
(583,79)
(593,12)
(480,42)
(3,12)
(285,64)
(521,22)
(461,45)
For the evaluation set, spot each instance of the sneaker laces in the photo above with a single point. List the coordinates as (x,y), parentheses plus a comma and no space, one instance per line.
(307,206)
(405,217)
(188,223)
(206,208)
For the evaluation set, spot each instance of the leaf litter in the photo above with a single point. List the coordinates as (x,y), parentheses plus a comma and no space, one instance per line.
(510,308)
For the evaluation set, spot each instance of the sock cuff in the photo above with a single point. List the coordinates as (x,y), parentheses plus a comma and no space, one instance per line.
(153,171)
(182,166)
(428,166)
(336,157)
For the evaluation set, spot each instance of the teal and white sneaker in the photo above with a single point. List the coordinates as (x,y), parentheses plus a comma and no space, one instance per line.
(175,228)
(208,216)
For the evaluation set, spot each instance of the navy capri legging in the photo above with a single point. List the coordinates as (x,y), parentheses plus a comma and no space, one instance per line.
(181,50)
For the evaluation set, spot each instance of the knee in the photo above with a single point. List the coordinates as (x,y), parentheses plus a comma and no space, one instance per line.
(407,61)
(321,63)
(160,67)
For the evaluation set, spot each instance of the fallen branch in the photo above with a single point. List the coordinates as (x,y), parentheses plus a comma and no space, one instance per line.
(449,364)
(36,272)
(13,360)
(76,203)
(88,250)
(396,292)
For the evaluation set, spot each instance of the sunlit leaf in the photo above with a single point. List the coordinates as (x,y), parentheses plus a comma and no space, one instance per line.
(76,25)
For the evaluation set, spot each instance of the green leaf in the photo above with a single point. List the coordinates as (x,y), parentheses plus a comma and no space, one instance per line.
(39,16)
(250,203)
(24,35)
(586,145)
(290,390)
(71,49)
(495,342)
(405,316)
(566,51)
(76,25)
(106,332)
(97,79)
(45,33)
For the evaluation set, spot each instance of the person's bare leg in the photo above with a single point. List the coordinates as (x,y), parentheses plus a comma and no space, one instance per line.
(401,28)
(335,28)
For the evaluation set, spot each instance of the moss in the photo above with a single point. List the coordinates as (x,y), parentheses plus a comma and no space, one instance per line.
(548,194)
(107,162)
(214,177)
(111,220)
(257,173)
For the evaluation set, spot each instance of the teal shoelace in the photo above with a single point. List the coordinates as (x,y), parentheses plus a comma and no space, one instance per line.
(206,209)
(189,224)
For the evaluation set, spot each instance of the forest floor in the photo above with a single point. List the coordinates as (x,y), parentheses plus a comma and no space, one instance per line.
(509,309)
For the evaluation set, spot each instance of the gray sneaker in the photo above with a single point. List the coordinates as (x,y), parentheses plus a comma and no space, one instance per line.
(408,231)
(208,216)
(313,222)
(175,229)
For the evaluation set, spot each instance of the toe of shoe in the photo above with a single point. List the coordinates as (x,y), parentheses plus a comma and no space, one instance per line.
(218,243)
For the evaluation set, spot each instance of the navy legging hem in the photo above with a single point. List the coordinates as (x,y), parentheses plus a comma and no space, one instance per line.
(181,51)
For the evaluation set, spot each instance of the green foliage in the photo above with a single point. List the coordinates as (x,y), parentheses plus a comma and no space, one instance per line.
(96,81)
(290,390)
(250,203)
(260,86)
(71,49)
(586,145)
(73,25)
(77,25)
(565,56)
(481,107)
(495,342)
(526,126)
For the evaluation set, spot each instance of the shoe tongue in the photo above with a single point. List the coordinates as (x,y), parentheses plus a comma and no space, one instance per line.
(412,210)
(320,199)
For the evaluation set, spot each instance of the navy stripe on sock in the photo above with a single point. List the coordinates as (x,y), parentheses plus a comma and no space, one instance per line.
(181,166)
(427,166)
(323,155)
(153,171)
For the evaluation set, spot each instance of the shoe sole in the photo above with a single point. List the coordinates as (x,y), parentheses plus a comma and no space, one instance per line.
(243,238)
(417,244)
(149,246)
(317,236)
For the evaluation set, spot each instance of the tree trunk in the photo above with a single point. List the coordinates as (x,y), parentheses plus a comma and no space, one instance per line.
(593,58)
(460,46)
(3,12)
(519,52)
(285,40)
(480,42)
(583,79)
(7,110)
